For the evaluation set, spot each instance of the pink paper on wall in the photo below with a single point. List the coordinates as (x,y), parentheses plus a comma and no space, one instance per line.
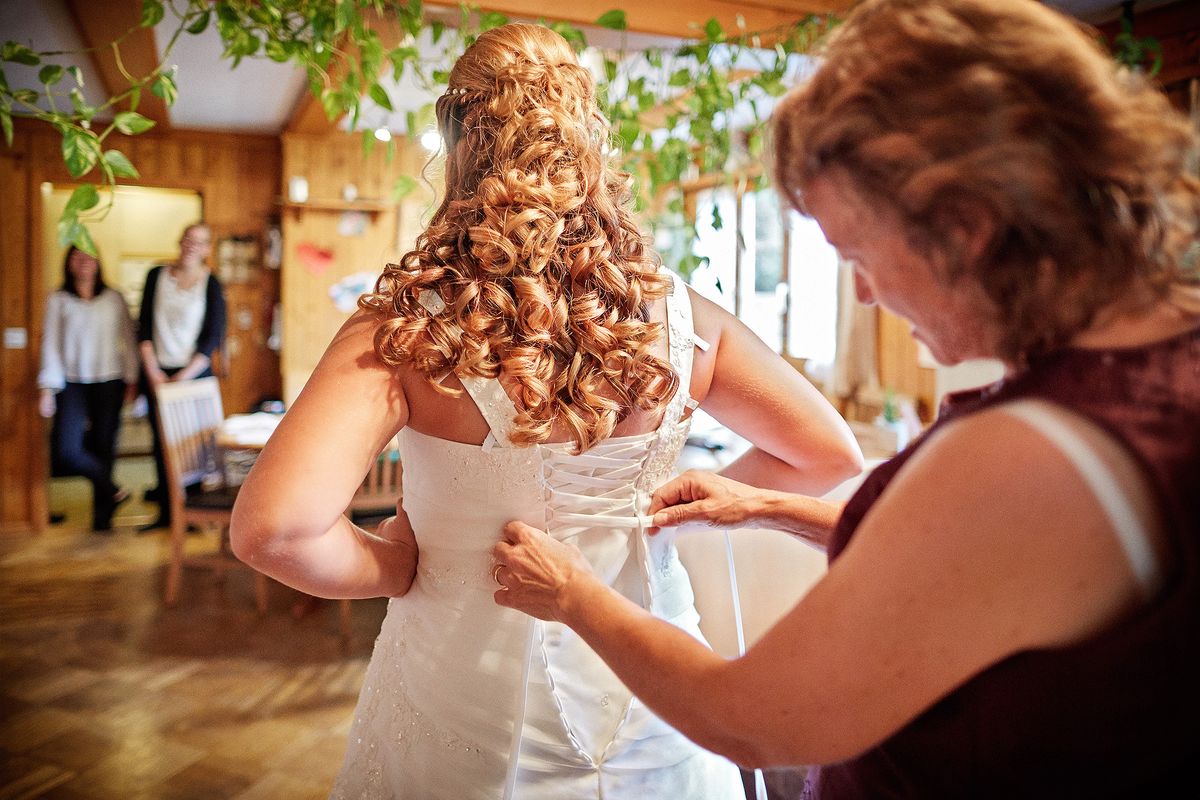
(315,260)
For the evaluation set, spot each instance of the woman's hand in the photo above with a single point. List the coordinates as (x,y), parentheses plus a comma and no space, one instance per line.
(156,377)
(47,403)
(398,531)
(537,573)
(697,496)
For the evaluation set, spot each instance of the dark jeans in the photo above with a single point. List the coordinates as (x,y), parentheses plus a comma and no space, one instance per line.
(83,439)
(159,465)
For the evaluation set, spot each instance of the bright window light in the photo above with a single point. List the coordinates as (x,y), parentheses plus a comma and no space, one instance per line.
(383,134)
(431,141)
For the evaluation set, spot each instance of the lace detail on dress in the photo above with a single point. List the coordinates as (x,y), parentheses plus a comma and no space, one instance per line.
(384,704)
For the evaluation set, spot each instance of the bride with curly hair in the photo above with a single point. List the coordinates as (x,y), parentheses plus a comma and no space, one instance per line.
(537,363)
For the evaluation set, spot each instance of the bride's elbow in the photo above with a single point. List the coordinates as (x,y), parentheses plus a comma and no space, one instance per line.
(255,536)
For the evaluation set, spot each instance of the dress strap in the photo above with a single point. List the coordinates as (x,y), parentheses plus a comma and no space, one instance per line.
(495,406)
(1052,423)
(682,342)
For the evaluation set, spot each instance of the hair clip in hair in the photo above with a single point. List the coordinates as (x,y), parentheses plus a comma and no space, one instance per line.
(459,91)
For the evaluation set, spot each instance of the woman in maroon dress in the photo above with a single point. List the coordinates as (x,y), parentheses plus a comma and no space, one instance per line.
(1011,607)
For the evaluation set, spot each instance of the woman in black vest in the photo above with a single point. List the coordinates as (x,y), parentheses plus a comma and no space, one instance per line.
(181,325)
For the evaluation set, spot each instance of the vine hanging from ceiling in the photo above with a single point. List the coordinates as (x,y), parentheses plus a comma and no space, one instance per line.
(699,107)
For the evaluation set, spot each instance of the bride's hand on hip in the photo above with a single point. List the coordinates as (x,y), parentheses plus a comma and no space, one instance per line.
(536,572)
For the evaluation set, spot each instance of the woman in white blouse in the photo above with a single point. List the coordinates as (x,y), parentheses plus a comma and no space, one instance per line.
(89,364)
(181,324)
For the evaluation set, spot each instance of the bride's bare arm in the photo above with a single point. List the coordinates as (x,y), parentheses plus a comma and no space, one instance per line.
(289,519)
(801,444)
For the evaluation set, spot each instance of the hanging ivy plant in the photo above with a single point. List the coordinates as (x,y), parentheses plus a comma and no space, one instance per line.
(699,108)
(672,110)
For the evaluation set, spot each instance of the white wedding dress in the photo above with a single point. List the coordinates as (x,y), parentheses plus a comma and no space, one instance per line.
(464,699)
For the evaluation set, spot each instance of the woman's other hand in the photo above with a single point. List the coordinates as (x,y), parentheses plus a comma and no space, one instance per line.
(156,377)
(697,496)
(47,403)
(536,572)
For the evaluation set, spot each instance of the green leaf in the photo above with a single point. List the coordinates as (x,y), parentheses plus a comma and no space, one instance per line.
(119,164)
(82,239)
(331,101)
(81,151)
(614,20)
(165,88)
(19,53)
(610,70)
(404,186)
(436,29)
(4,82)
(368,142)
(77,74)
(152,13)
(680,77)
(276,51)
(200,23)
(343,15)
(27,96)
(380,96)
(491,19)
(6,124)
(81,107)
(84,197)
(132,123)
(50,74)
(713,30)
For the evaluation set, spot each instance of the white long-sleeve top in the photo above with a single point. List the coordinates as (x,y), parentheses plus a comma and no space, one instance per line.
(87,341)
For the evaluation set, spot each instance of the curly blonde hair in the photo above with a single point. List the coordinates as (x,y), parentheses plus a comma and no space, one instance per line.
(934,108)
(544,275)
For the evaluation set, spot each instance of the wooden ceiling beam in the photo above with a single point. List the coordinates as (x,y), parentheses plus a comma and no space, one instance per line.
(683,20)
(100,23)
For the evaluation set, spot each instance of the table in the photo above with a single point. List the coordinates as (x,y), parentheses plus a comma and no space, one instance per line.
(241,437)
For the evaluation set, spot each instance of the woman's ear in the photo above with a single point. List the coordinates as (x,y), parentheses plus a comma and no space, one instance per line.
(969,237)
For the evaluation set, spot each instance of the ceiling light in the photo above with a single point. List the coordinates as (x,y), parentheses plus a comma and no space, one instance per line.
(383,134)
(431,141)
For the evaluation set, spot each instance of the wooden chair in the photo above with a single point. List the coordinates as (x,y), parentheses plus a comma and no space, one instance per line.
(189,417)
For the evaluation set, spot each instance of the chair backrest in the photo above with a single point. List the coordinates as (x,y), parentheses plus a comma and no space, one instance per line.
(379,491)
(189,417)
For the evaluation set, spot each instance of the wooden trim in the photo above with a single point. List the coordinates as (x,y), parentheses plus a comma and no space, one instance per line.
(101,22)
(683,20)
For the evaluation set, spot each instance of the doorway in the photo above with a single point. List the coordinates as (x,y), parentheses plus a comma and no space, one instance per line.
(141,229)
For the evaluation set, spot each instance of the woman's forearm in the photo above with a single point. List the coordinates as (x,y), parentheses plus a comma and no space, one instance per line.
(807,518)
(344,562)
(198,364)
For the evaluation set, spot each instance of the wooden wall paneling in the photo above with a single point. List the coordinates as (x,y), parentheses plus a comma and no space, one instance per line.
(236,174)
(899,367)
(23,430)
(328,163)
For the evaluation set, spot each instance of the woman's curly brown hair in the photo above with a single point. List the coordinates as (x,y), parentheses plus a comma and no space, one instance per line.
(937,107)
(544,274)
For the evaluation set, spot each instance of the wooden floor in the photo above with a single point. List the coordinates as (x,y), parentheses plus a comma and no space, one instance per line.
(104,693)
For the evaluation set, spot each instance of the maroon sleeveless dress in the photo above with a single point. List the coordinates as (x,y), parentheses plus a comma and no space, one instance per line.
(1116,715)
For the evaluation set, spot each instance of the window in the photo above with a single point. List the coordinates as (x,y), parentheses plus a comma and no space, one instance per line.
(773,270)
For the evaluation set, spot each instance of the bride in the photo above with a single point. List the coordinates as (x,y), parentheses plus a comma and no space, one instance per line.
(539,365)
